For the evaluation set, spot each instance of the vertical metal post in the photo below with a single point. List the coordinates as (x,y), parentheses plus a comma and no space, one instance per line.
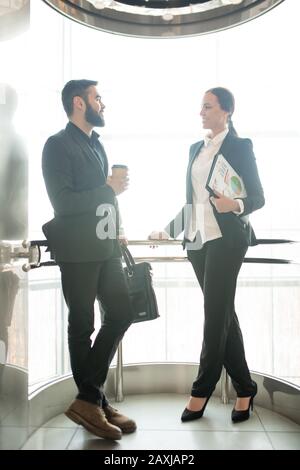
(119,375)
(224,387)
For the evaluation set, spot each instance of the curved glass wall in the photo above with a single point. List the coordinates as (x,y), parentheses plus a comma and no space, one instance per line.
(152,90)
(14,99)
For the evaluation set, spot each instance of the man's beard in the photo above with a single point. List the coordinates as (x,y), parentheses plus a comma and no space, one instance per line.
(92,117)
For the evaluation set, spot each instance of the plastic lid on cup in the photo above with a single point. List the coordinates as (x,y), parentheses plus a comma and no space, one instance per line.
(125,167)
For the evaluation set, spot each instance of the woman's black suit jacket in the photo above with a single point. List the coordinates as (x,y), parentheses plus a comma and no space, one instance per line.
(235,229)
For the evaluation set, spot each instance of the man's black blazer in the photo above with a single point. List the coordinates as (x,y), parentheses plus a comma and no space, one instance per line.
(75,179)
(235,229)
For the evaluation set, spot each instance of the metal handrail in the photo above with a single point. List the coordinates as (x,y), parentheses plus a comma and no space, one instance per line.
(259,241)
(35,256)
(178,259)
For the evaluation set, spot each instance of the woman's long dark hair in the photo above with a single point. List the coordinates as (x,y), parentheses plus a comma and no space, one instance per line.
(227,103)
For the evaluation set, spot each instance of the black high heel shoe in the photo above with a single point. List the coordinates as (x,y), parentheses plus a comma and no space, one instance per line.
(189,415)
(237,416)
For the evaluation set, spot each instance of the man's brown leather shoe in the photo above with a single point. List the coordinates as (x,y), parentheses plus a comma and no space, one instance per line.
(114,417)
(92,418)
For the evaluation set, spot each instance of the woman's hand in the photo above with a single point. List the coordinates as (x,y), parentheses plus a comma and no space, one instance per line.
(224,204)
(155,235)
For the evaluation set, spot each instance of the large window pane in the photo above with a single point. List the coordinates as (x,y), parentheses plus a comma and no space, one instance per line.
(152,90)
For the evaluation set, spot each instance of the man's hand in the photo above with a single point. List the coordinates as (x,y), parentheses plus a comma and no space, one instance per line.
(119,185)
(224,204)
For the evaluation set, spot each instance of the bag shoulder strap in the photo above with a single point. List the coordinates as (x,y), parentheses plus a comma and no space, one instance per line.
(128,258)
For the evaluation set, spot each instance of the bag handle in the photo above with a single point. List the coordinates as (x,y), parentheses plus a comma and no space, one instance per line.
(128,258)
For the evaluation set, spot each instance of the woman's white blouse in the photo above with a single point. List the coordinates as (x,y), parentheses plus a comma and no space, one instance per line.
(203,219)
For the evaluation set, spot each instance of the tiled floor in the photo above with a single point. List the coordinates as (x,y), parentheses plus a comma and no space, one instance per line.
(160,428)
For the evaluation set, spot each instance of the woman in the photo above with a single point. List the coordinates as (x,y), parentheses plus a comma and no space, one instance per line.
(217,235)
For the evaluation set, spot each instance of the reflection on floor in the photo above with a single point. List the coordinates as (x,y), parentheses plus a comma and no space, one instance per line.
(160,428)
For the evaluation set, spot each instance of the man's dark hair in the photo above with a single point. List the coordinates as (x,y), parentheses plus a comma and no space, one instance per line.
(75,88)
